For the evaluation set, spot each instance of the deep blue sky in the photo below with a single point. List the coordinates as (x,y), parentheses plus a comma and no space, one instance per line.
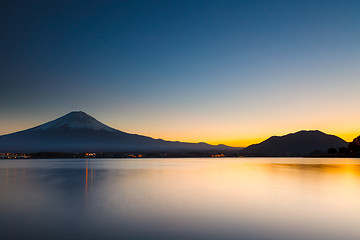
(215,71)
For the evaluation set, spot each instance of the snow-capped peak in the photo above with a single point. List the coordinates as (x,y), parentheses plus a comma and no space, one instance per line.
(76,120)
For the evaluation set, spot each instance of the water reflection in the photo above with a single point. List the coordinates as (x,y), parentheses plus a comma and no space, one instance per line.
(89,176)
(180,199)
(86,177)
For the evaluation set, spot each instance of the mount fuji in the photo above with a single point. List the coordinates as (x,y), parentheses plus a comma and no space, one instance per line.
(79,132)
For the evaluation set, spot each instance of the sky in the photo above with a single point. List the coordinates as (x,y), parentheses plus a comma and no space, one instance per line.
(231,72)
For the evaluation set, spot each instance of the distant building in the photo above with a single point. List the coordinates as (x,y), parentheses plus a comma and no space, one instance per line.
(90,155)
(13,156)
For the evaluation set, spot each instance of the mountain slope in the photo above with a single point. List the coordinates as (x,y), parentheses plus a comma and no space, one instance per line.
(295,144)
(79,132)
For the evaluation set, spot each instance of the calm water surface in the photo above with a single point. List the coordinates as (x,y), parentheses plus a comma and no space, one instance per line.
(227,198)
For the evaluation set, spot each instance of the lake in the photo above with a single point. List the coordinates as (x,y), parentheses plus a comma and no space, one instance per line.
(197,198)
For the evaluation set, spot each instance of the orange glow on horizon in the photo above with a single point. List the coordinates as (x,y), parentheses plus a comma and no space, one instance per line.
(238,143)
(234,130)
(245,141)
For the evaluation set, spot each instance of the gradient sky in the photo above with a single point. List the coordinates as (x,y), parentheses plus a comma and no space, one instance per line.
(233,72)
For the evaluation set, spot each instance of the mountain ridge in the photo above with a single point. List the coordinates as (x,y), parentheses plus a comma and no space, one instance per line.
(79,132)
(300,143)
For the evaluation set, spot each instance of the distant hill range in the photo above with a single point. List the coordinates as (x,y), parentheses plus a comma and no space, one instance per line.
(300,143)
(79,132)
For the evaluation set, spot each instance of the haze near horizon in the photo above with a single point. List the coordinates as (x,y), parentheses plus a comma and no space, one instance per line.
(233,72)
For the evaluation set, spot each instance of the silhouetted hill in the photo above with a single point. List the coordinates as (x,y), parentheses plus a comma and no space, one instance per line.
(295,144)
(79,132)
